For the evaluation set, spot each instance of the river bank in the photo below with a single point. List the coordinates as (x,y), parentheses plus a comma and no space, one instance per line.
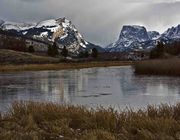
(51,121)
(61,66)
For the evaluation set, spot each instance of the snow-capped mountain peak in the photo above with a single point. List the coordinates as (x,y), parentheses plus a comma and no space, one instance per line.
(137,38)
(60,30)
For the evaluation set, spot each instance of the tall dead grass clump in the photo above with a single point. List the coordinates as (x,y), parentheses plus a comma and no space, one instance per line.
(169,67)
(47,121)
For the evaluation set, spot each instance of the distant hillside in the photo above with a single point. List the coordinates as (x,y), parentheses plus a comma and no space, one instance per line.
(15,57)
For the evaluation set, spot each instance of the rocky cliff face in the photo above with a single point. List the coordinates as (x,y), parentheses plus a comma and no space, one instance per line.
(131,37)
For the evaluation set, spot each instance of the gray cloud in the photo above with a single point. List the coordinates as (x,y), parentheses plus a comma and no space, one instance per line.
(32,0)
(99,21)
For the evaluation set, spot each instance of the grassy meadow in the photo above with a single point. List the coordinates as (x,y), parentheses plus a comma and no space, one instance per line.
(20,61)
(169,67)
(47,121)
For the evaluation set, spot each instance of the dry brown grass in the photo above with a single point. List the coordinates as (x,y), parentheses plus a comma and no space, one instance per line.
(46,121)
(60,66)
(170,67)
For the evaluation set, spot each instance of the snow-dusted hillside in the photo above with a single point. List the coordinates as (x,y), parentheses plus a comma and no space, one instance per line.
(60,30)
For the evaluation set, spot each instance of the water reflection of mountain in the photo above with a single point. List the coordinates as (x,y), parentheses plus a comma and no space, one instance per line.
(87,86)
(55,86)
(63,86)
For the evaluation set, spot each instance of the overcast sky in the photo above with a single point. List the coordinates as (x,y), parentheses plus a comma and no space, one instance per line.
(99,21)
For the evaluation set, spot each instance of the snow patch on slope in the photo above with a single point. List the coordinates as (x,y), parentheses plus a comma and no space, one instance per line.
(47,23)
(64,36)
(44,34)
(66,23)
(16,26)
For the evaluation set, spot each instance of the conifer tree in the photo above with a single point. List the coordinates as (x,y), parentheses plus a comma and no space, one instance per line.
(94,53)
(31,49)
(64,52)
